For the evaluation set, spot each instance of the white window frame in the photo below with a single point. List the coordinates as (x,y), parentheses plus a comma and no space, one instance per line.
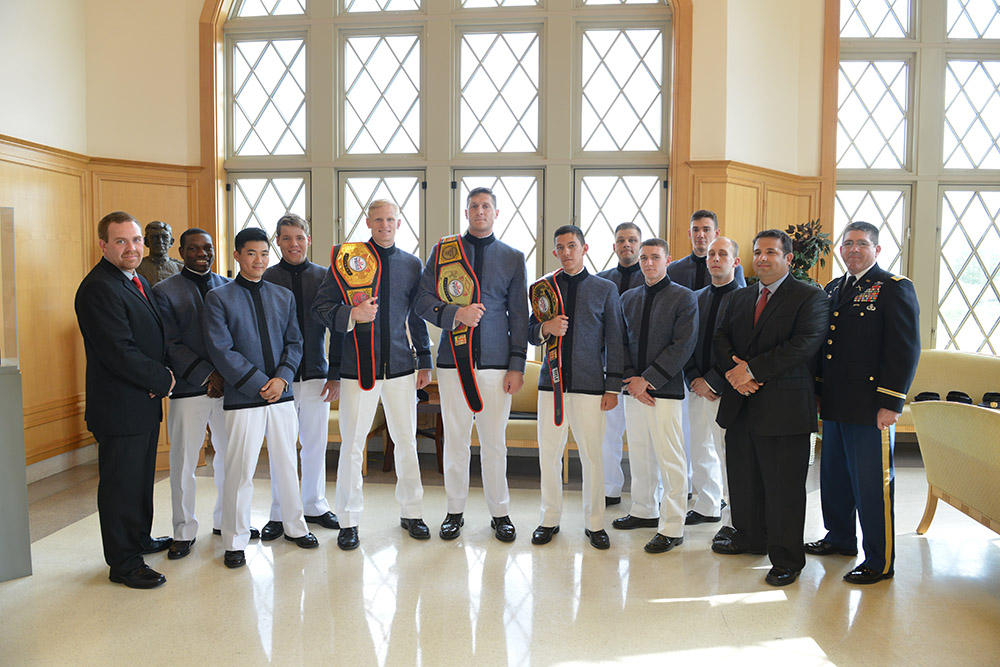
(340,233)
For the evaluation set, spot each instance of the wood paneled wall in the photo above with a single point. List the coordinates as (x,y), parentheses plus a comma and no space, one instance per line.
(57,198)
(748,199)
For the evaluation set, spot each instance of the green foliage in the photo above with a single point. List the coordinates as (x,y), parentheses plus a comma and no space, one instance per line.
(809,246)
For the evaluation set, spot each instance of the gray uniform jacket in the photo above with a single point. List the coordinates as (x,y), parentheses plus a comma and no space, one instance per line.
(595,333)
(252,335)
(685,272)
(181,300)
(304,280)
(661,328)
(624,278)
(501,339)
(697,366)
(398,285)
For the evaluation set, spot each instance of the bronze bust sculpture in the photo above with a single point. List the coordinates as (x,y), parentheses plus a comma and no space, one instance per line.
(157,265)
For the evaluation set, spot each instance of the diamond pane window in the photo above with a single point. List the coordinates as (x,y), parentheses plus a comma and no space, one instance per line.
(269,97)
(874,18)
(359,190)
(517,212)
(472,4)
(968,298)
(622,105)
(357,6)
(271,8)
(499,83)
(382,94)
(883,207)
(258,201)
(872,114)
(974,19)
(622,2)
(972,114)
(609,200)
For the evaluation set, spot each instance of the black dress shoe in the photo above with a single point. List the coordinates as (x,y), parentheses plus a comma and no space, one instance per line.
(598,538)
(612,500)
(327,520)
(272,530)
(504,528)
(254,533)
(180,548)
(662,544)
(824,548)
(725,533)
(157,544)
(141,577)
(348,538)
(307,541)
(234,559)
(781,576)
(417,529)
(865,575)
(451,527)
(694,518)
(628,522)
(732,548)
(543,534)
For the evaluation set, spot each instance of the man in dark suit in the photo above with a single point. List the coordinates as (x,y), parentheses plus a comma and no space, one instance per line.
(867,366)
(126,378)
(766,345)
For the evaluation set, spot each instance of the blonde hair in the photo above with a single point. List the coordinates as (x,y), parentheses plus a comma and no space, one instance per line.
(379,203)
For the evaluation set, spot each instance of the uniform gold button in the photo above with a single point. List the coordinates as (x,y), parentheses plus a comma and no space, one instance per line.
(833,327)
(871,378)
(829,356)
(835,313)
(862,314)
(829,341)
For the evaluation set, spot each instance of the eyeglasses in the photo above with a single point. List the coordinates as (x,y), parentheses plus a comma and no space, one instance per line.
(860,245)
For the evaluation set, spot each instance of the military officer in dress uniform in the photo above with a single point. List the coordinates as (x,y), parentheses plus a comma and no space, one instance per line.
(866,366)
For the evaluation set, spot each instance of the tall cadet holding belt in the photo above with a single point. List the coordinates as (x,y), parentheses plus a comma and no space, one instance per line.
(377,321)
(316,381)
(575,388)
(484,342)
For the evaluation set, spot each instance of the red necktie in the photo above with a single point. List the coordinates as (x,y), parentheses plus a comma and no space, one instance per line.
(761,302)
(138,283)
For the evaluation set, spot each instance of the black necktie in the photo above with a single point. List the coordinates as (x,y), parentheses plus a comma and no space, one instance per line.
(848,289)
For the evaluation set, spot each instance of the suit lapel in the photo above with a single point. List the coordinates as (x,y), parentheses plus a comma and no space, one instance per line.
(773,303)
(131,289)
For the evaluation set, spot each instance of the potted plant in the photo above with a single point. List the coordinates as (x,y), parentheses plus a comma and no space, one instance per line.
(809,246)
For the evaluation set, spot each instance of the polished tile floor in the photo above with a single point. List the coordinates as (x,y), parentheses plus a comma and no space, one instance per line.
(476,601)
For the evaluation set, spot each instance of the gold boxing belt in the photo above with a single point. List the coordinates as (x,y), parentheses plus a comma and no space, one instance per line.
(457,284)
(546,304)
(357,269)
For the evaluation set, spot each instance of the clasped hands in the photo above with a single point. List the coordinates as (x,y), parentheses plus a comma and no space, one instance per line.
(739,377)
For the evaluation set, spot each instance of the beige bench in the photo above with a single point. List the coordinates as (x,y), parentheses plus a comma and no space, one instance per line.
(942,371)
(958,444)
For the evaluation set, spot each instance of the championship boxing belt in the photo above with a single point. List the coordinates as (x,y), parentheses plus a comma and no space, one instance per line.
(357,269)
(546,304)
(457,284)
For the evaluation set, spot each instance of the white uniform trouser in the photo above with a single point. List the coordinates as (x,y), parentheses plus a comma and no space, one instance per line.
(357,411)
(614,429)
(686,429)
(658,428)
(247,428)
(314,432)
(708,452)
(491,425)
(582,413)
(186,423)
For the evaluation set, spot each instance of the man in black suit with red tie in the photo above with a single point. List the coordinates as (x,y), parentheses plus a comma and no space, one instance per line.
(767,344)
(126,379)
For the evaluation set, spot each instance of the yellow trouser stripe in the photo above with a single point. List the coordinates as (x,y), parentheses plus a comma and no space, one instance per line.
(887,500)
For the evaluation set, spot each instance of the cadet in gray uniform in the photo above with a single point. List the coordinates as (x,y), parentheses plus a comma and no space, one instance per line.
(591,330)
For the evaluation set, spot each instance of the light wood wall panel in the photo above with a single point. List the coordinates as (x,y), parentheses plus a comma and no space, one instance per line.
(748,199)
(57,199)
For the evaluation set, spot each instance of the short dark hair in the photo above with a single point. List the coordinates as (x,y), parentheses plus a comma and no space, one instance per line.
(657,242)
(190,232)
(110,219)
(786,240)
(291,220)
(866,227)
(250,234)
(480,191)
(569,229)
(628,225)
(705,213)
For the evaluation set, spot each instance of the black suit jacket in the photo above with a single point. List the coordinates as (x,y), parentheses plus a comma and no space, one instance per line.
(126,358)
(780,350)
(871,352)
